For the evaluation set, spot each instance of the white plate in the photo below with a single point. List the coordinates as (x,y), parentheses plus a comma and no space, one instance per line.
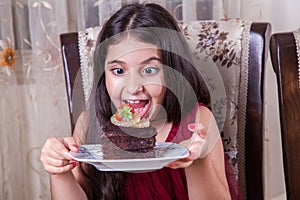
(165,152)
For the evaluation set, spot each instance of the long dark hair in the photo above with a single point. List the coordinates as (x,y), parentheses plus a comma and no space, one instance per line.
(148,23)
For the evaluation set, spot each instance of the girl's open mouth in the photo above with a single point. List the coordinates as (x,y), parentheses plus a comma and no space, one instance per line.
(140,107)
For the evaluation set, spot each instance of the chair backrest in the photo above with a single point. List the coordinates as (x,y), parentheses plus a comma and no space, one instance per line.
(250,142)
(259,41)
(284,57)
(71,63)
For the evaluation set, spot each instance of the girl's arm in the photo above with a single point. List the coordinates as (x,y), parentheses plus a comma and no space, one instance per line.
(64,186)
(206,177)
(61,167)
(57,162)
(205,167)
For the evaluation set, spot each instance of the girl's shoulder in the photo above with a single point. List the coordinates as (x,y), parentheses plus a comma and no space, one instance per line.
(202,104)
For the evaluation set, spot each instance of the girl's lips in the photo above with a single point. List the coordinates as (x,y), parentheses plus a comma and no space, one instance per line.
(144,110)
(140,107)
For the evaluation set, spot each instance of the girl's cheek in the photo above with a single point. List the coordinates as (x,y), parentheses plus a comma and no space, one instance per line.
(157,93)
(113,88)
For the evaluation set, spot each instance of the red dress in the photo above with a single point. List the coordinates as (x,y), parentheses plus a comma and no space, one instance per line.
(167,183)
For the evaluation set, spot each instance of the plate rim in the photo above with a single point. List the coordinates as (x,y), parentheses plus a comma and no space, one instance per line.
(183,155)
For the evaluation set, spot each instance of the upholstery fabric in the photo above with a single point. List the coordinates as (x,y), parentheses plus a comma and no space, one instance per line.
(86,41)
(224,45)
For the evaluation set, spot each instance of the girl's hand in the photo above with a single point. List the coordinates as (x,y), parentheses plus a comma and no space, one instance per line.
(55,155)
(194,145)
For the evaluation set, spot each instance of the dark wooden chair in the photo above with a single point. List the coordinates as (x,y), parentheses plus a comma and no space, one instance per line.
(259,41)
(285,63)
(259,37)
(71,63)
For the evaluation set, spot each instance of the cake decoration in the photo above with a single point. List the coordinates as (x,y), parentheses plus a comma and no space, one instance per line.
(126,117)
(128,131)
(125,113)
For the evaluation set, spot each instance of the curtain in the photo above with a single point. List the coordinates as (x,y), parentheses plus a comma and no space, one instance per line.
(33,100)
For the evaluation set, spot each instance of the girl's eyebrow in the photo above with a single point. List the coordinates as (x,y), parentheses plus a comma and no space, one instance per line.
(116,61)
(151,59)
(143,62)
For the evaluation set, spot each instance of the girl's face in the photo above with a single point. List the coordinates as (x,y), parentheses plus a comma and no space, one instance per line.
(134,75)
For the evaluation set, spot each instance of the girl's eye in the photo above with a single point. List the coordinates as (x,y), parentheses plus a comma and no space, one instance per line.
(118,71)
(150,70)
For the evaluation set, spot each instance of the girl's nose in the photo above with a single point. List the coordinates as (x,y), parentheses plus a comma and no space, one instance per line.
(134,83)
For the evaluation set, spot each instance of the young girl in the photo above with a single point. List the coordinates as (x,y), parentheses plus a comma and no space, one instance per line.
(142,59)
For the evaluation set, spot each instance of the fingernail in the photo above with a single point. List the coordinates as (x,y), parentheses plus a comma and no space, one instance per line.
(74,164)
(191,126)
(75,145)
(172,164)
(186,159)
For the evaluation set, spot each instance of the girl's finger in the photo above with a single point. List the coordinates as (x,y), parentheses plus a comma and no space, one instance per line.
(57,162)
(180,164)
(47,154)
(198,128)
(71,143)
(195,148)
(60,146)
(57,170)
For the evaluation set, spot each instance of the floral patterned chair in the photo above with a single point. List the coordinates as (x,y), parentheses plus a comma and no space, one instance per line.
(232,56)
(285,57)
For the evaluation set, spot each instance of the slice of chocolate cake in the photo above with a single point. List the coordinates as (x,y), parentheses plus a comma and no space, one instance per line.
(129,132)
(131,139)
